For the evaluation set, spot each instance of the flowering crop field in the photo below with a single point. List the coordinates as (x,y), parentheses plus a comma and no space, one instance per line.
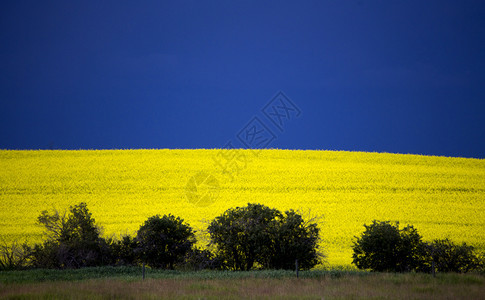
(441,196)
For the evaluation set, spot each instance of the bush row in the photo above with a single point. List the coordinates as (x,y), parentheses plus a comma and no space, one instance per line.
(242,238)
(383,246)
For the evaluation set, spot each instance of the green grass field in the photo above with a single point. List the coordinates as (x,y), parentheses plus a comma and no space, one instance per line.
(126,283)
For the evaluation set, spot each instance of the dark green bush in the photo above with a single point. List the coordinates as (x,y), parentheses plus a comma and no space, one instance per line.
(257,236)
(451,257)
(201,259)
(73,241)
(292,238)
(385,247)
(14,256)
(124,251)
(164,241)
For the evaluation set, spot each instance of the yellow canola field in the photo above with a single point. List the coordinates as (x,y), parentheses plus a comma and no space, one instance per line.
(441,196)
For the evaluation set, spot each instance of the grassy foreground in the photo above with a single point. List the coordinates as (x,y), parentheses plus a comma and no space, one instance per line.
(126,283)
(441,196)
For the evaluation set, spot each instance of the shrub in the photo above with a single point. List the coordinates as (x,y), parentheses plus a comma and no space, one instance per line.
(480,262)
(13,256)
(124,251)
(73,241)
(292,239)
(385,247)
(451,257)
(164,241)
(198,259)
(240,234)
(259,236)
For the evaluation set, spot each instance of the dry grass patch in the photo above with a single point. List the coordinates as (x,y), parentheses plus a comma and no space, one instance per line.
(374,286)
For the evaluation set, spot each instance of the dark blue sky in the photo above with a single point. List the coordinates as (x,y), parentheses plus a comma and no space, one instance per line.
(385,76)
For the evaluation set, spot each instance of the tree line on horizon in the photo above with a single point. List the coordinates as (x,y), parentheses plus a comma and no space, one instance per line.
(240,239)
